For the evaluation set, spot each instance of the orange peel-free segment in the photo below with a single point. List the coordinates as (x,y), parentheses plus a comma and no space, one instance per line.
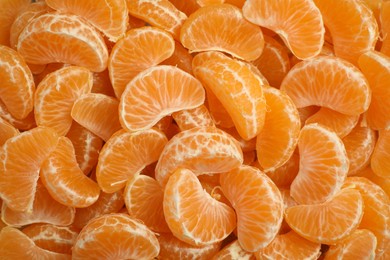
(17,84)
(298,22)
(111,17)
(115,236)
(203,150)
(64,179)
(156,93)
(385,27)
(125,155)
(323,165)
(187,119)
(56,94)
(21,158)
(139,49)
(380,159)
(233,251)
(6,131)
(192,214)
(327,222)
(222,27)
(329,82)
(83,45)
(237,87)
(258,205)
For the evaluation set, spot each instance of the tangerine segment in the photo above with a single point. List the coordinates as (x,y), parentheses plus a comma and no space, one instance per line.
(172,248)
(17,86)
(376,67)
(233,251)
(144,201)
(219,114)
(44,210)
(258,205)
(21,158)
(16,245)
(385,27)
(376,213)
(98,113)
(50,237)
(222,27)
(380,159)
(339,123)
(38,42)
(360,244)
(290,246)
(185,198)
(7,131)
(156,93)
(159,13)
(327,222)
(111,17)
(139,49)
(115,236)
(125,155)
(64,179)
(329,82)
(323,165)
(56,94)
(203,150)
(190,118)
(352,26)
(21,124)
(237,87)
(180,58)
(277,140)
(298,22)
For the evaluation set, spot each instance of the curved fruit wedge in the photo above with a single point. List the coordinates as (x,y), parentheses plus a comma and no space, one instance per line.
(380,159)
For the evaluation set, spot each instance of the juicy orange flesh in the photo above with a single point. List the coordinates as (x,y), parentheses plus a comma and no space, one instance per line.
(196,129)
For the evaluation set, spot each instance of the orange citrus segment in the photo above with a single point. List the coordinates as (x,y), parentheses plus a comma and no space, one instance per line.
(258,205)
(38,42)
(64,179)
(380,159)
(187,119)
(21,158)
(385,27)
(159,13)
(237,87)
(21,124)
(144,201)
(222,27)
(329,82)
(17,86)
(110,16)
(158,92)
(185,198)
(125,155)
(327,222)
(323,165)
(277,140)
(98,113)
(298,22)
(233,251)
(203,150)
(115,236)
(352,26)
(376,67)
(6,131)
(290,246)
(139,49)
(56,94)
(384,183)
(180,58)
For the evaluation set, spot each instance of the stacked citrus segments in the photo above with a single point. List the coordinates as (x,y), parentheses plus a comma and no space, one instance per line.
(195,129)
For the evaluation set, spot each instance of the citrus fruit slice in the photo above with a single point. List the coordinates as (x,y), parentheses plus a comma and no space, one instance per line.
(38,42)
(139,49)
(180,58)
(26,123)
(156,93)
(226,29)
(21,158)
(368,173)
(185,198)
(329,82)
(187,119)
(298,22)
(323,165)
(258,205)
(7,131)
(233,251)
(9,9)
(17,87)
(380,162)
(115,236)
(125,155)
(56,94)
(327,222)
(203,150)
(385,27)
(237,87)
